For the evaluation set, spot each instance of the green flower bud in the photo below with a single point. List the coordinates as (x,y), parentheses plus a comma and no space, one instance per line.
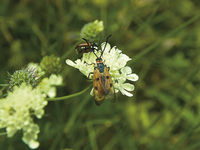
(51,65)
(28,76)
(92,31)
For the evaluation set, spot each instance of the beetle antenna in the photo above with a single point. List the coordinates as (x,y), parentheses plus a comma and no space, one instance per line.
(105,44)
(95,54)
(93,45)
(86,41)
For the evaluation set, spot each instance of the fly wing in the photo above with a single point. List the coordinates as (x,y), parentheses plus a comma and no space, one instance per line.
(98,87)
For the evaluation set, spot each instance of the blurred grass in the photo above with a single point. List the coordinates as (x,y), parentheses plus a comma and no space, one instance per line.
(163,40)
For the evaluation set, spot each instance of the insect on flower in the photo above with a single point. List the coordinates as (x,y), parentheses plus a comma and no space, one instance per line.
(102,81)
(86,47)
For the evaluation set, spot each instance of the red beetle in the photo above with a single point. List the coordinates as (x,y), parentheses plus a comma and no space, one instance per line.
(86,47)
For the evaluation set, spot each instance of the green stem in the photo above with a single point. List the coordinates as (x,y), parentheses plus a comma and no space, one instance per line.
(4,84)
(68,96)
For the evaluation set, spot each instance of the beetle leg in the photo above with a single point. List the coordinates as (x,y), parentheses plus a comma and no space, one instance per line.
(90,74)
(89,64)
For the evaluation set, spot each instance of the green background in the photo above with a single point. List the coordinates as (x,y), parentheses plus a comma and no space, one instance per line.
(163,39)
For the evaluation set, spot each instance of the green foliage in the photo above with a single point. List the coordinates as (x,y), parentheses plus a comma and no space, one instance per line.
(162,38)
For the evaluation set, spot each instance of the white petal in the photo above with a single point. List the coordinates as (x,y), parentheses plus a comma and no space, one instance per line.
(107,48)
(91,92)
(124,92)
(78,62)
(89,57)
(52,92)
(132,77)
(122,60)
(55,79)
(117,50)
(10,131)
(125,57)
(86,69)
(116,90)
(71,63)
(126,70)
(114,51)
(128,86)
(121,79)
(33,144)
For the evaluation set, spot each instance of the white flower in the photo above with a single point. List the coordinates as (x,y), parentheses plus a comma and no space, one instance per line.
(116,60)
(17,109)
(47,85)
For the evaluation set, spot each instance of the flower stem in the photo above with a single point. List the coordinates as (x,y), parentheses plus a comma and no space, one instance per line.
(68,96)
(4,84)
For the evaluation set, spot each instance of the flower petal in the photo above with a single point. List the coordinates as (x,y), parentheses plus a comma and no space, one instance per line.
(128,86)
(91,92)
(122,60)
(126,70)
(33,144)
(55,79)
(90,57)
(52,92)
(124,92)
(107,48)
(132,77)
(71,63)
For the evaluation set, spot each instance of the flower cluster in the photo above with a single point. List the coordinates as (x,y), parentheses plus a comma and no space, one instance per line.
(47,85)
(16,111)
(24,102)
(116,60)
(92,31)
